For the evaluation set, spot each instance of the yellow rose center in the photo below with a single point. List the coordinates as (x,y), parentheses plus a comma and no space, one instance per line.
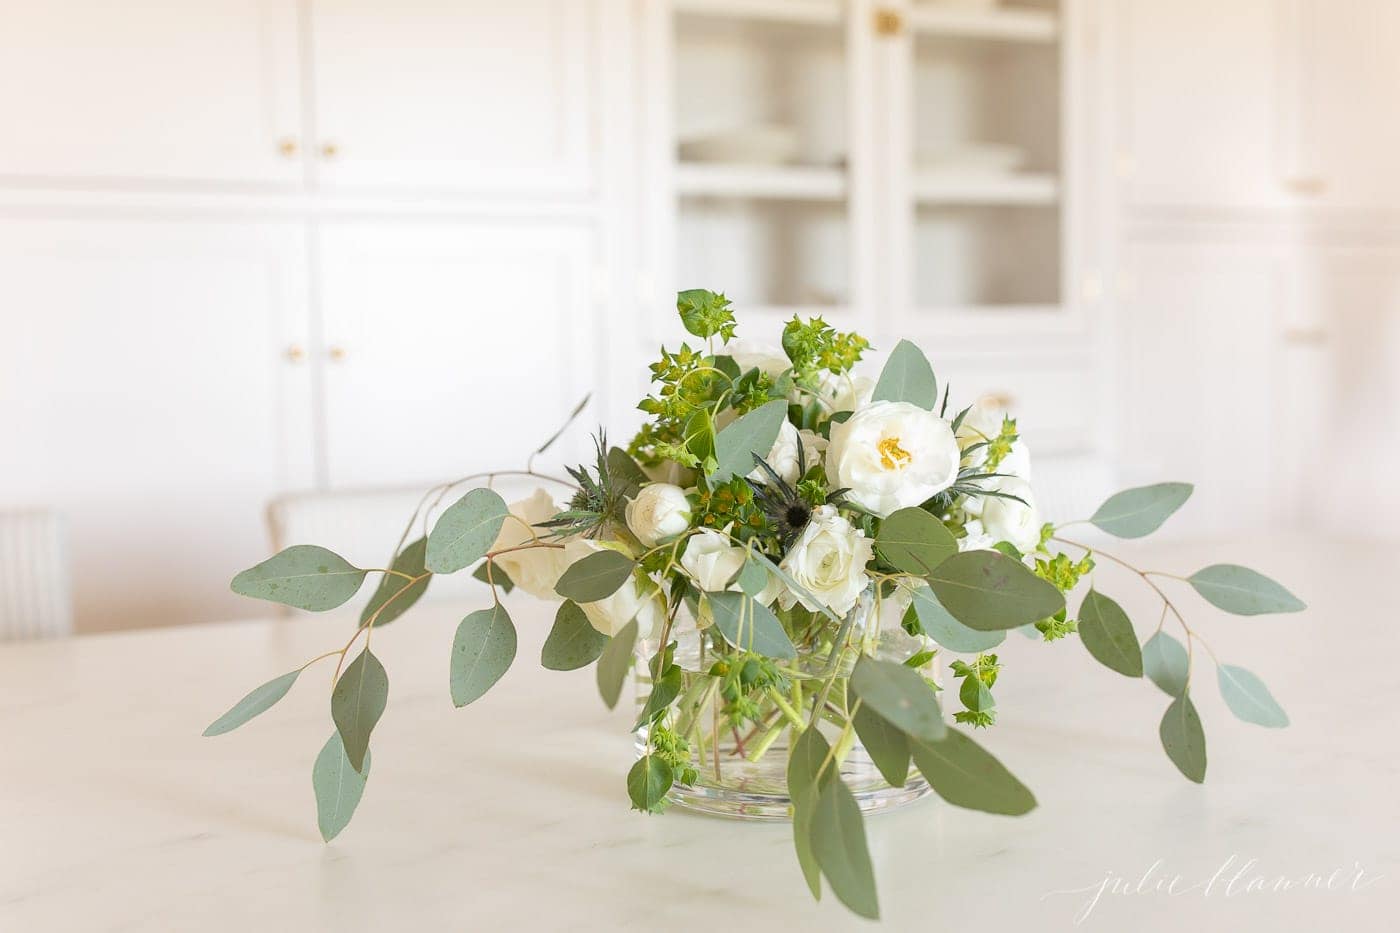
(892,456)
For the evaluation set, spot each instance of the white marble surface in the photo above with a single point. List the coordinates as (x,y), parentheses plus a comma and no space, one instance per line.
(116,814)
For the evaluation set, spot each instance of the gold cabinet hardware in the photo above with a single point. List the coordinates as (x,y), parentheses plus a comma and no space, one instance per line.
(337,353)
(329,150)
(1307,185)
(296,353)
(888,22)
(1305,336)
(288,147)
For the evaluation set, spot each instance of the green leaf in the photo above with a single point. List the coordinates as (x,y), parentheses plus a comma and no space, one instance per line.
(1183,738)
(573,642)
(1165,663)
(338,787)
(303,576)
(976,696)
(804,787)
(940,625)
(899,695)
(838,842)
(965,774)
(627,477)
(907,377)
(705,313)
(914,541)
(749,625)
(466,531)
(357,703)
(1243,591)
(497,576)
(988,591)
(595,577)
(1106,632)
(752,578)
(1134,513)
(747,435)
(648,782)
(482,652)
(886,744)
(410,561)
(664,691)
(615,662)
(1248,698)
(260,700)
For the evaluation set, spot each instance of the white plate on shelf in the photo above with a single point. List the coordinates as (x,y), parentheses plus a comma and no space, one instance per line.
(759,144)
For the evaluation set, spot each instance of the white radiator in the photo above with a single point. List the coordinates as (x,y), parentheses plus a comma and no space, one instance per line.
(35,596)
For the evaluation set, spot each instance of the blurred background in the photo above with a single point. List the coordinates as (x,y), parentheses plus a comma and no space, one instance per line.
(270,268)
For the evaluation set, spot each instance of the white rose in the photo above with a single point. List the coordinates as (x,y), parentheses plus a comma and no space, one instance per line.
(1015,465)
(843,391)
(1008,520)
(983,423)
(637,598)
(750,354)
(658,512)
(534,570)
(976,538)
(783,457)
(712,562)
(828,560)
(892,455)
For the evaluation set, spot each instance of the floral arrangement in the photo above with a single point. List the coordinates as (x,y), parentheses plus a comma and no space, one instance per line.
(780,556)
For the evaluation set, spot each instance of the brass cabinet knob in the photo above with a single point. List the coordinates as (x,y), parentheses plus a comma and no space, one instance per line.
(329,150)
(337,353)
(888,22)
(1308,185)
(296,353)
(288,147)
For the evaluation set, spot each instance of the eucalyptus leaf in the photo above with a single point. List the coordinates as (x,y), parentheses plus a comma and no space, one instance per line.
(1248,698)
(988,591)
(939,624)
(573,642)
(1243,591)
(357,702)
(886,744)
(615,662)
(1165,662)
(628,478)
(913,541)
(466,531)
(907,377)
(838,842)
(497,575)
(482,651)
(752,578)
(1108,634)
(403,593)
(596,576)
(749,625)
(303,576)
(1134,513)
(647,783)
(1183,738)
(899,695)
(258,701)
(753,433)
(805,780)
(338,787)
(965,774)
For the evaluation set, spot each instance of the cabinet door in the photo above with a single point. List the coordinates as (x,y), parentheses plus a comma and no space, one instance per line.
(1199,102)
(146,393)
(476,95)
(454,348)
(156,89)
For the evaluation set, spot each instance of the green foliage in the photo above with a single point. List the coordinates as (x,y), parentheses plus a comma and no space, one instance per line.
(573,642)
(749,625)
(806,778)
(1056,627)
(886,744)
(396,595)
(913,541)
(466,531)
(838,842)
(482,651)
(1183,738)
(338,787)
(1134,513)
(1165,663)
(647,783)
(259,701)
(907,377)
(303,576)
(1248,698)
(596,576)
(674,750)
(601,499)
(615,662)
(975,693)
(966,775)
(705,313)
(1106,631)
(937,623)
(744,438)
(814,345)
(989,591)
(899,695)
(357,702)
(730,505)
(1243,591)
(493,574)
(999,447)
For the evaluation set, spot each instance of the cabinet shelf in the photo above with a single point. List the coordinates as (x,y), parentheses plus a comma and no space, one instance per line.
(985,188)
(1005,25)
(811,12)
(768,182)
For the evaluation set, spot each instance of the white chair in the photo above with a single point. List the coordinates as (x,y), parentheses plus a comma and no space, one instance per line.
(35,590)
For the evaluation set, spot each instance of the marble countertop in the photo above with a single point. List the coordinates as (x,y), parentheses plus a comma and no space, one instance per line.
(117,815)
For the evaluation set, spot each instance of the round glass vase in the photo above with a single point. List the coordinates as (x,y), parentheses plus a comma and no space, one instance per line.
(739,761)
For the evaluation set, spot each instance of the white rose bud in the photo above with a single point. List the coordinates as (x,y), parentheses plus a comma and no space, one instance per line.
(1011,521)
(534,570)
(828,560)
(637,598)
(892,455)
(766,358)
(843,391)
(783,457)
(712,562)
(658,512)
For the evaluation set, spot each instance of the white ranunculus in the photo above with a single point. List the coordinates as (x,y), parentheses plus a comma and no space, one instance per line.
(892,455)
(712,562)
(828,560)
(659,511)
(534,570)
(750,354)
(637,598)
(783,457)
(1011,521)
(844,391)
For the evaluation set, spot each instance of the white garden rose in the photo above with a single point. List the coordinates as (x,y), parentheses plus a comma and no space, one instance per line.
(637,598)
(712,562)
(534,570)
(844,391)
(828,560)
(1008,520)
(892,455)
(766,358)
(658,512)
(783,457)
(983,423)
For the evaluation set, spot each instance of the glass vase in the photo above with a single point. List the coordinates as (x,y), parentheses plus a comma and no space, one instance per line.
(737,745)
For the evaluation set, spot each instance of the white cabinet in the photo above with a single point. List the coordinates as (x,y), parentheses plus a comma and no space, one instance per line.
(478,95)
(146,392)
(167,90)
(453,347)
